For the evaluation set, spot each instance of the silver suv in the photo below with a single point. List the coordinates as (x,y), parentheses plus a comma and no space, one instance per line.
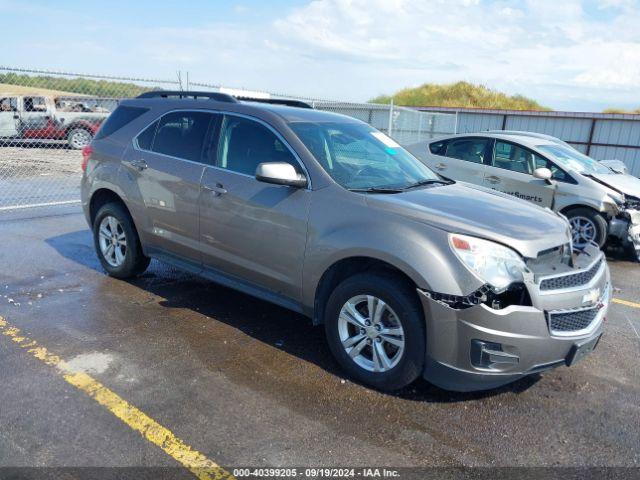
(601,202)
(411,274)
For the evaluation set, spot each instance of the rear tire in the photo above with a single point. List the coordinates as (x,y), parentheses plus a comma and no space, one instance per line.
(587,224)
(78,138)
(396,366)
(117,243)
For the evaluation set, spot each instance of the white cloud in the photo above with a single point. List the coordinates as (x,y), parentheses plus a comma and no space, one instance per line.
(538,43)
(565,53)
(619,66)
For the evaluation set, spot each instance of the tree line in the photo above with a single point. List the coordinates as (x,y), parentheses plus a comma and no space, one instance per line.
(84,86)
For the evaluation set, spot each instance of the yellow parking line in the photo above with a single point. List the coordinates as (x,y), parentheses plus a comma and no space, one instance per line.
(196,462)
(626,302)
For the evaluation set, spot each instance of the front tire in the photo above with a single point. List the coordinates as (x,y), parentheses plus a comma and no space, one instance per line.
(587,226)
(376,330)
(116,242)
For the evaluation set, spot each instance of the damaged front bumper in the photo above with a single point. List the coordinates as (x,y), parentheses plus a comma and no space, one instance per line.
(625,229)
(479,347)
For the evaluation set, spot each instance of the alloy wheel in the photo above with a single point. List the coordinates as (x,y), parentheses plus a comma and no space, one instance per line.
(113,241)
(371,333)
(583,231)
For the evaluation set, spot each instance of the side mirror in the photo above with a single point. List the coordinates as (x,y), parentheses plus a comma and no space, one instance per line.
(280,173)
(542,174)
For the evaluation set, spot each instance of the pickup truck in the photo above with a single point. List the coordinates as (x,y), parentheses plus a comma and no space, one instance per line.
(74,120)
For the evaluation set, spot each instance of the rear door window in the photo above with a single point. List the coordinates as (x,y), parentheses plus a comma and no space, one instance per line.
(184,135)
(472,150)
(120,117)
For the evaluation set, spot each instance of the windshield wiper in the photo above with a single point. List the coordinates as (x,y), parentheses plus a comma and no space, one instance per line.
(430,181)
(376,190)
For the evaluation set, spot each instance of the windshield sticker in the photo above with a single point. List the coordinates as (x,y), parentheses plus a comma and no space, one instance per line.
(390,151)
(389,142)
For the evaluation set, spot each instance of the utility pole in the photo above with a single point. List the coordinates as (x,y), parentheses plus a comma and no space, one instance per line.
(390,130)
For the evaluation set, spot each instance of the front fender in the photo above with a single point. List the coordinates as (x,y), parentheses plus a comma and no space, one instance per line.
(588,193)
(420,251)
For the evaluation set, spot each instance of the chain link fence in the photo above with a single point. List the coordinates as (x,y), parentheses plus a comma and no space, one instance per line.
(46,118)
(404,125)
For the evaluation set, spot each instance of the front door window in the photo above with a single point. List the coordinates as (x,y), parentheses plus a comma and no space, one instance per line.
(245,144)
(513,157)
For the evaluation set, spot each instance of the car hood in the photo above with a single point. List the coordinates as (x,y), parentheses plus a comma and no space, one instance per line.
(481,212)
(627,184)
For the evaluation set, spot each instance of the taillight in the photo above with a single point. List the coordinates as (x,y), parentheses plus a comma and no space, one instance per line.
(86,154)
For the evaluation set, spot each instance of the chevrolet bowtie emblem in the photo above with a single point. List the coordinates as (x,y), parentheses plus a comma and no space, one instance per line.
(592,297)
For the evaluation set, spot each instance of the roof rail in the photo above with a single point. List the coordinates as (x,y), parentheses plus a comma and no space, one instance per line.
(277,101)
(220,97)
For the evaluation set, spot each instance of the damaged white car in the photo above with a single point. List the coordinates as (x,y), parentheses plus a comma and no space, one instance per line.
(601,203)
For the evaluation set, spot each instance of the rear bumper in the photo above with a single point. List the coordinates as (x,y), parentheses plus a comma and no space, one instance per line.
(85,200)
(519,337)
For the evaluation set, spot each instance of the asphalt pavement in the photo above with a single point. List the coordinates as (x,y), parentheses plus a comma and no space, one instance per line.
(246,383)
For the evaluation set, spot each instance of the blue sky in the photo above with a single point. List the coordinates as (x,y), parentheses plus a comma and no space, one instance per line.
(567,54)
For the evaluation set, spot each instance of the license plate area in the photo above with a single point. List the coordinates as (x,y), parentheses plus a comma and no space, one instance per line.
(579,350)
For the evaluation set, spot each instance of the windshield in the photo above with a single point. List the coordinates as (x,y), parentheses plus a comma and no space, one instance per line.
(359,157)
(571,159)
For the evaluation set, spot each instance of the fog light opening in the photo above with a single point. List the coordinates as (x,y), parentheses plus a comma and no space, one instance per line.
(491,355)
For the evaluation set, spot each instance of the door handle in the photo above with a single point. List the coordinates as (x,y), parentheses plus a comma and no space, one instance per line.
(139,164)
(493,179)
(441,166)
(216,189)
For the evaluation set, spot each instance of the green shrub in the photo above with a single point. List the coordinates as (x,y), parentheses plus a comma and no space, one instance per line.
(620,110)
(459,94)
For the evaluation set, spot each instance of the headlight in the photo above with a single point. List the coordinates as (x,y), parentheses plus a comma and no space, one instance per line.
(615,201)
(491,262)
(632,203)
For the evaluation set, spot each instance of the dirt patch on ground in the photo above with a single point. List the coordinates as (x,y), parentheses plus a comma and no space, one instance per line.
(25,162)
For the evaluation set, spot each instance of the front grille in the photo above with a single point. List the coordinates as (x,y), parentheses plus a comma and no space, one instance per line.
(560,254)
(572,321)
(571,280)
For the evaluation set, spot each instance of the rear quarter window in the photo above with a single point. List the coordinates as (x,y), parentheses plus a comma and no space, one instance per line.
(120,117)
(145,139)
